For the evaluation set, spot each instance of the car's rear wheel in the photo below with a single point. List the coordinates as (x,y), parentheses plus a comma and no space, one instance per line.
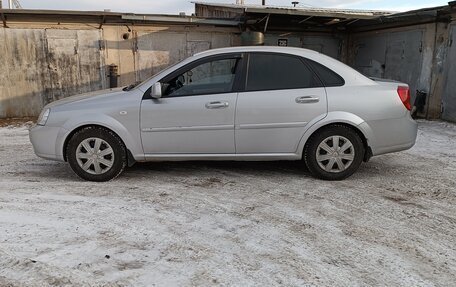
(96,154)
(334,153)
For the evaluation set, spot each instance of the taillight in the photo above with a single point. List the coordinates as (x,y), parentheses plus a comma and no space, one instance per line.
(404,94)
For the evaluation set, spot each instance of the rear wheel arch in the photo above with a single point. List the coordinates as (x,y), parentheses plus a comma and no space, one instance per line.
(334,151)
(361,134)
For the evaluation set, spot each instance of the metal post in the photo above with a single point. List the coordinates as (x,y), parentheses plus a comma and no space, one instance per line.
(10,4)
(263,2)
(113,75)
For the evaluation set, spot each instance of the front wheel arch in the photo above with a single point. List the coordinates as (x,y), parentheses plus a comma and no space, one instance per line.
(73,132)
(96,153)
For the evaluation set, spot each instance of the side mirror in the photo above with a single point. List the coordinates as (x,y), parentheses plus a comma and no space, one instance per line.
(156,91)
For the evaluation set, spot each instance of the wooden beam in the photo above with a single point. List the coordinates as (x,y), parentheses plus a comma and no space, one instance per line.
(305,20)
(3,19)
(103,19)
(333,21)
(267,22)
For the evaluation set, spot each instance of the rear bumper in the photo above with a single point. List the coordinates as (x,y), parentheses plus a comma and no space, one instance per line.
(392,135)
(44,140)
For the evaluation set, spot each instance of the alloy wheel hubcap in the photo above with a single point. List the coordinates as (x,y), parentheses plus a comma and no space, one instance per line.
(95,156)
(335,154)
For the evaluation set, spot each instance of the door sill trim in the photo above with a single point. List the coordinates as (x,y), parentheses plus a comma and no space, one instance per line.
(235,157)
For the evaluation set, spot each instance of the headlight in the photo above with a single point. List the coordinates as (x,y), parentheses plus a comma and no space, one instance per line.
(43,117)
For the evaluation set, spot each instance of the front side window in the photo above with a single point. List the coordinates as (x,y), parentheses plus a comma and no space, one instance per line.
(211,77)
(277,72)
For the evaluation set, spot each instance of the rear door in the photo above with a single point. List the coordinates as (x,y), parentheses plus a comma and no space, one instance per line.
(282,95)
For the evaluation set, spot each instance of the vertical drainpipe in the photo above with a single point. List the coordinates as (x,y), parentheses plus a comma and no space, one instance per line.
(263,2)
(10,3)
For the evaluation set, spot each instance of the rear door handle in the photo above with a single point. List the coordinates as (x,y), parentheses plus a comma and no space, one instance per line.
(307,100)
(217,105)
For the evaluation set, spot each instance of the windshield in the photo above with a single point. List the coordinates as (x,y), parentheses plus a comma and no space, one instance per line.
(134,85)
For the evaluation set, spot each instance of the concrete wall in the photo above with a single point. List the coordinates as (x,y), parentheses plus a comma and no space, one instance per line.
(40,65)
(46,60)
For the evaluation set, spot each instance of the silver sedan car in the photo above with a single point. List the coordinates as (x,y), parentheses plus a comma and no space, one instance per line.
(241,103)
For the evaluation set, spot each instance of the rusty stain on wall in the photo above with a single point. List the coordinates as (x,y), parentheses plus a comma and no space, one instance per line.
(44,65)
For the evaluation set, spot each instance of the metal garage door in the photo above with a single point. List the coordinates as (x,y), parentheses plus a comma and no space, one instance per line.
(43,65)
(74,61)
(326,45)
(396,56)
(404,57)
(370,54)
(449,95)
(23,75)
(156,51)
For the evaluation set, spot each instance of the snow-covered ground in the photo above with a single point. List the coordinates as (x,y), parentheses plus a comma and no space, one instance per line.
(180,224)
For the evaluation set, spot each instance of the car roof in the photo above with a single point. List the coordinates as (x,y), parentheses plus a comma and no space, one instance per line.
(240,49)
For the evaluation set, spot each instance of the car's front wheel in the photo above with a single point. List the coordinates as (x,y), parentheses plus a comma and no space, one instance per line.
(334,153)
(96,154)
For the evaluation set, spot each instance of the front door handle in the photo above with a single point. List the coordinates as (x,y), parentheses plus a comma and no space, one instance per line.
(217,105)
(307,100)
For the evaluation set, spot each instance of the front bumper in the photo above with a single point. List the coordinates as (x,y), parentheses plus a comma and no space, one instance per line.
(44,140)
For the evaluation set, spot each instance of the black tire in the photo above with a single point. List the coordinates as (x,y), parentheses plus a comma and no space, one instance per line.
(119,160)
(310,152)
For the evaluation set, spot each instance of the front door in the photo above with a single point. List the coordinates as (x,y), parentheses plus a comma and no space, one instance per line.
(281,96)
(196,112)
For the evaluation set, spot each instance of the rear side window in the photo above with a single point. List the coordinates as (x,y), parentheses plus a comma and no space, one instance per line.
(327,76)
(277,72)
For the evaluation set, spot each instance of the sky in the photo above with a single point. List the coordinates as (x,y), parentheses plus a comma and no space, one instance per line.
(176,6)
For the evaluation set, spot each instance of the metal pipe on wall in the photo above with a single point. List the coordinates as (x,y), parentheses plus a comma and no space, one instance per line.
(10,4)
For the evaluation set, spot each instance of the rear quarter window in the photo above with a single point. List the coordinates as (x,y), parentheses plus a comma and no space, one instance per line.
(328,77)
